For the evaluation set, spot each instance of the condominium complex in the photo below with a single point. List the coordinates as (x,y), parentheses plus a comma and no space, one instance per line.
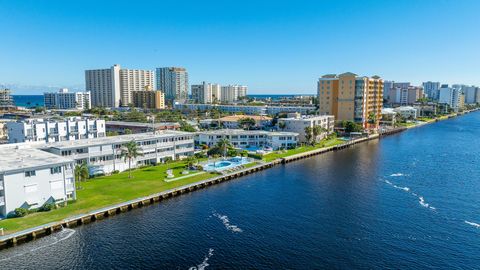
(173,81)
(232,93)
(299,123)
(259,110)
(50,130)
(431,89)
(248,139)
(472,94)
(404,94)
(114,87)
(30,177)
(452,96)
(234,121)
(122,127)
(206,93)
(149,99)
(103,155)
(63,99)
(6,100)
(352,98)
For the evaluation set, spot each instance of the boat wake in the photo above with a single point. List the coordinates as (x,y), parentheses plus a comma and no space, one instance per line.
(204,264)
(226,223)
(421,200)
(50,240)
(396,175)
(473,224)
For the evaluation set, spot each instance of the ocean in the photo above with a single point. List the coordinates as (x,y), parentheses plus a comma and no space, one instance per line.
(408,201)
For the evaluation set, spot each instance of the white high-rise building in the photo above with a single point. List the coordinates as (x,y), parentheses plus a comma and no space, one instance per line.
(48,130)
(206,93)
(173,81)
(431,89)
(63,99)
(232,93)
(453,96)
(113,87)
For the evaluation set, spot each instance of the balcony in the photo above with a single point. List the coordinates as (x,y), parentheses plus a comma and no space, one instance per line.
(1,185)
(2,200)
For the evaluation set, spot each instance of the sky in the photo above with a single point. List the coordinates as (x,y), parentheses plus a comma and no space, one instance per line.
(274,47)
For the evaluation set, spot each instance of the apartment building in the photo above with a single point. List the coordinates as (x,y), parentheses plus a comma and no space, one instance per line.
(114,87)
(233,121)
(122,127)
(472,94)
(149,99)
(248,139)
(64,100)
(351,98)
(51,130)
(206,93)
(257,110)
(103,155)
(299,123)
(431,89)
(451,96)
(232,93)
(404,94)
(173,81)
(6,100)
(30,177)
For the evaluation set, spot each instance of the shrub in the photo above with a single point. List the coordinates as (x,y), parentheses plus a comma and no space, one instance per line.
(48,206)
(115,172)
(20,212)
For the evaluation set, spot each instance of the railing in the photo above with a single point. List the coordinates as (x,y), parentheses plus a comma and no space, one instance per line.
(1,185)
(2,200)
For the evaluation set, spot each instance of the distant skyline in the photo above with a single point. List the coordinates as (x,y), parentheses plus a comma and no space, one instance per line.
(274,47)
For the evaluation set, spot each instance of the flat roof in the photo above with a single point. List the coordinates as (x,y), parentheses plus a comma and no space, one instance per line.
(246,132)
(140,124)
(20,157)
(115,139)
(243,116)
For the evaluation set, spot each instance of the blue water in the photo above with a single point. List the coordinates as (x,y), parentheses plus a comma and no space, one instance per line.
(408,201)
(28,100)
(276,97)
(226,164)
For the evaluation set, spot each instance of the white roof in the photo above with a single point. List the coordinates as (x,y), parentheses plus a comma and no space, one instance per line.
(21,157)
(247,132)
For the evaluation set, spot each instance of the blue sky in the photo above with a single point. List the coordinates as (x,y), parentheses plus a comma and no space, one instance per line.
(271,46)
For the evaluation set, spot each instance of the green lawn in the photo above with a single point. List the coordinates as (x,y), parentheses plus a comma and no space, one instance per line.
(108,190)
(281,154)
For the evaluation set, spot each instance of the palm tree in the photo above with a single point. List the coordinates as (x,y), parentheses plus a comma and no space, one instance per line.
(282,125)
(81,172)
(308,134)
(223,144)
(129,152)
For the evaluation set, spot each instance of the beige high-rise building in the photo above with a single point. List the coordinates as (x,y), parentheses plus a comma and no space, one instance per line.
(149,99)
(113,87)
(351,98)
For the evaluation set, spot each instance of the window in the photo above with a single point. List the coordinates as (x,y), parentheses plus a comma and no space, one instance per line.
(30,173)
(55,170)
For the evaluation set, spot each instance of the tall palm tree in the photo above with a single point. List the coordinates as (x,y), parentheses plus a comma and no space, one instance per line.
(223,144)
(282,125)
(81,172)
(308,134)
(129,152)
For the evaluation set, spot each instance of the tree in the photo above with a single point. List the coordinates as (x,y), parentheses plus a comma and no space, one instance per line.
(308,134)
(282,125)
(220,148)
(317,130)
(351,126)
(129,152)
(247,122)
(184,126)
(81,172)
(372,118)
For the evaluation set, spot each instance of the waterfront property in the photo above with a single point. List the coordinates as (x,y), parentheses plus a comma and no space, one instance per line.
(298,124)
(51,130)
(248,139)
(122,127)
(247,109)
(29,178)
(226,164)
(103,155)
(234,121)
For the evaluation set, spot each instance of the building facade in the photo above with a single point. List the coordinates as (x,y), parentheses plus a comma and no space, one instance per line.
(257,110)
(149,99)
(233,121)
(431,89)
(298,125)
(49,130)
(114,87)
(65,100)
(103,155)
(451,96)
(6,100)
(351,98)
(232,93)
(248,139)
(173,81)
(123,128)
(206,93)
(29,178)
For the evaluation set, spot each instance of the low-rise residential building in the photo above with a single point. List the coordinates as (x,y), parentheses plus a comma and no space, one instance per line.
(51,130)
(63,100)
(248,139)
(299,123)
(428,109)
(122,127)
(234,121)
(406,112)
(103,155)
(389,117)
(30,177)
(258,110)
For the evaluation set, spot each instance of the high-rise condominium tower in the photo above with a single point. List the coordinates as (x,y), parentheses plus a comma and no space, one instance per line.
(113,87)
(173,81)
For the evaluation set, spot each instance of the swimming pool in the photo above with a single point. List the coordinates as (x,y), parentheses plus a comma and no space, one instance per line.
(226,164)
